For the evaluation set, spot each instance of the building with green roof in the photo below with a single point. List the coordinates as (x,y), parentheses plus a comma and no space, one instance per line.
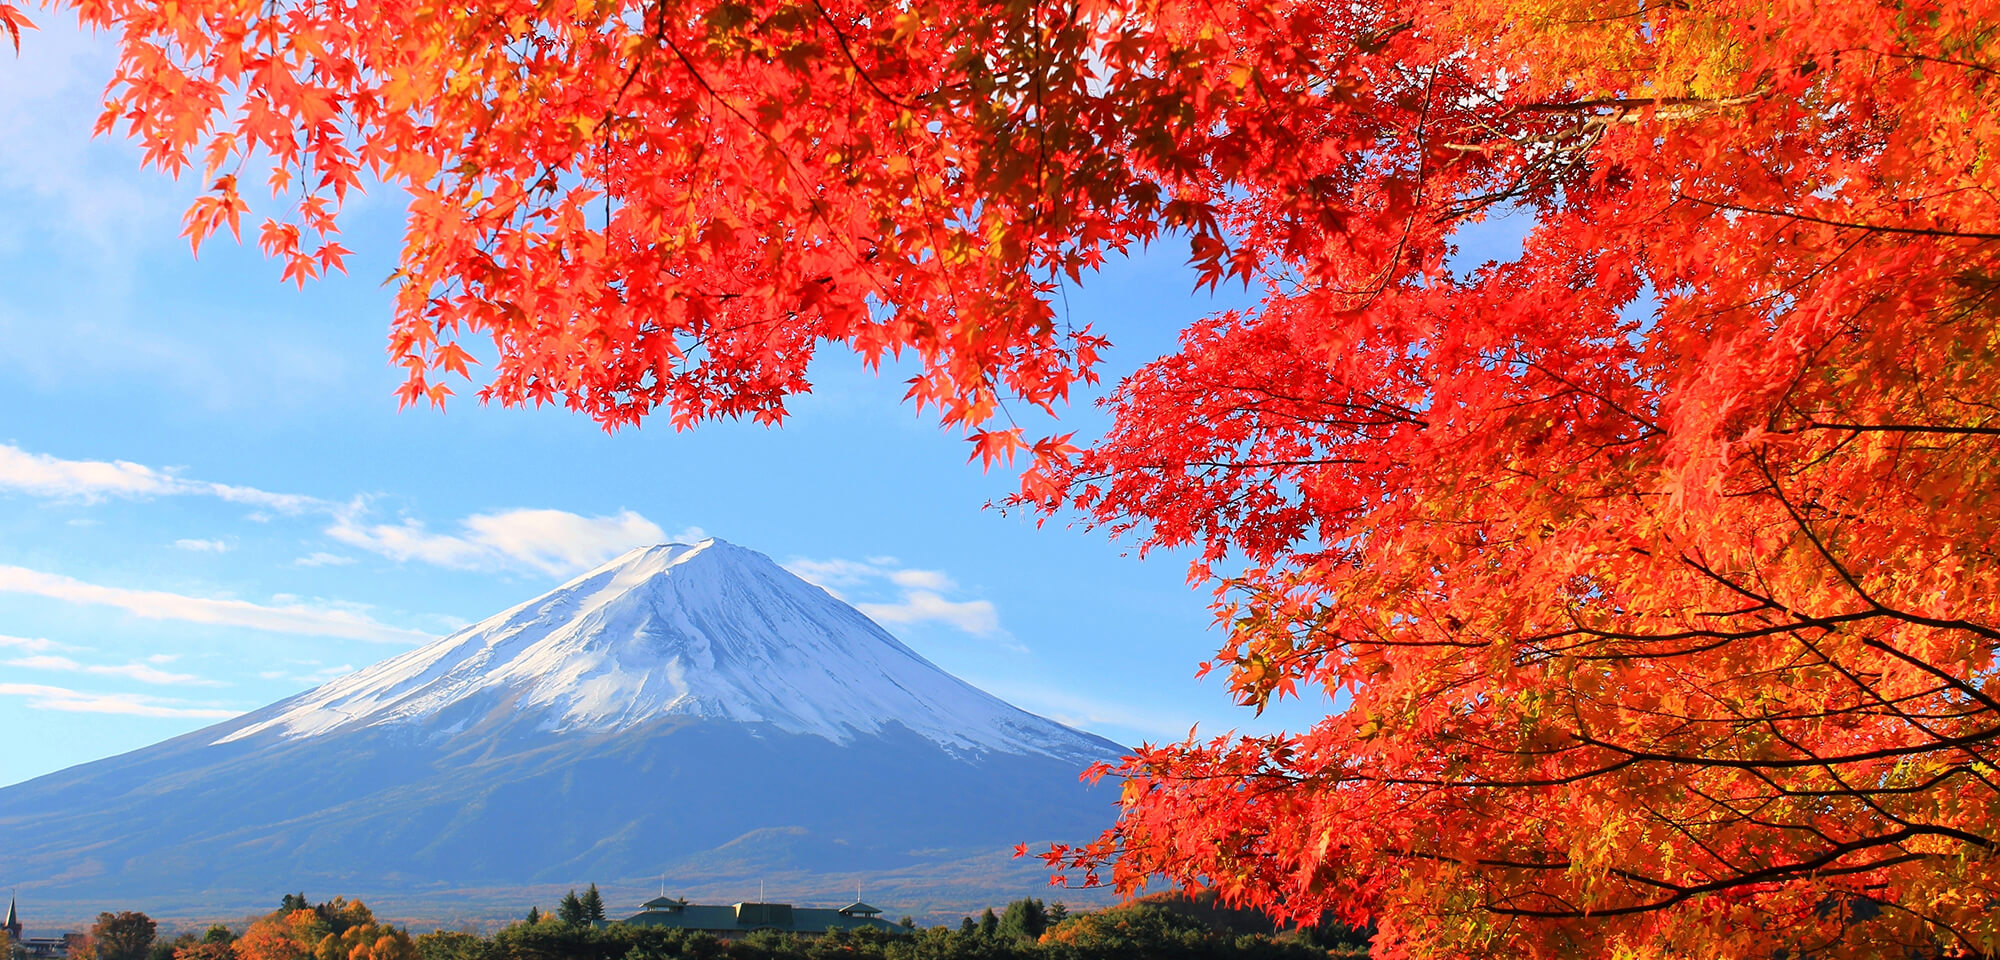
(739,919)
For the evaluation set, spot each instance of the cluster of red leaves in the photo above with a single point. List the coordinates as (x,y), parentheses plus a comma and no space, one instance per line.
(1654,571)
(650,205)
(12,22)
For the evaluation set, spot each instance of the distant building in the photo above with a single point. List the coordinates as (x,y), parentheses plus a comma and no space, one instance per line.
(38,948)
(739,919)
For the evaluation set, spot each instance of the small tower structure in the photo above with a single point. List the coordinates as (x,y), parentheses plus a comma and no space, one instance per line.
(13,924)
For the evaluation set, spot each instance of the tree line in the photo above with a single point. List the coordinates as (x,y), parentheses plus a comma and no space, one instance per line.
(1027,929)
(339,929)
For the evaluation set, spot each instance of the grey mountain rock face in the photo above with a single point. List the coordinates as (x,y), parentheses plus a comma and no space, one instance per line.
(689,709)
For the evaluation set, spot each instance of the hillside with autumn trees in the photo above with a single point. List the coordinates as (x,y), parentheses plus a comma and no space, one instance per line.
(1027,929)
(1654,570)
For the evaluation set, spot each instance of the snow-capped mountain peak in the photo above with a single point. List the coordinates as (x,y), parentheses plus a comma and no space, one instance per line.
(708,630)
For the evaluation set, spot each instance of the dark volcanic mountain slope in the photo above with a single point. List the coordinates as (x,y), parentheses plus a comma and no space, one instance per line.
(678,706)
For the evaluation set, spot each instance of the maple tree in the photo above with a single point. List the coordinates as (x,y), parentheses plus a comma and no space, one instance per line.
(1653,569)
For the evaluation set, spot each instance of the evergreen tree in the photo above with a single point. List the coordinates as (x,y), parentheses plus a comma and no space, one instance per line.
(295,901)
(989,924)
(218,933)
(1058,912)
(593,905)
(1023,920)
(968,928)
(571,910)
(534,915)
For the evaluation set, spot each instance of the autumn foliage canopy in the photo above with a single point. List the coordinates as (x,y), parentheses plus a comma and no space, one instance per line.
(337,930)
(1655,569)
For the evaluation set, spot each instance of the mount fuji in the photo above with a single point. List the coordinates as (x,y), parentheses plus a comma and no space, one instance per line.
(688,710)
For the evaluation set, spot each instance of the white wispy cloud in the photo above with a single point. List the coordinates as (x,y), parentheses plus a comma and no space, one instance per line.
(320,558)
(921,606)
(30,644)
(44,697)
(294,618)
(920,594)
(42,475)
(834,575)
(922,579)
(142,672)
(555,542)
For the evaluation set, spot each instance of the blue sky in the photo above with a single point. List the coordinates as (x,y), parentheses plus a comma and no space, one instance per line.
(209,501)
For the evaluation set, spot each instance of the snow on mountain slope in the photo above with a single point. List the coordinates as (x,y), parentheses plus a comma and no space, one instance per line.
(707,630)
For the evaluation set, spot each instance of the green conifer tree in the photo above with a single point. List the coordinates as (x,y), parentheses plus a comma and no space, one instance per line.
(571,909)
(534,915)
(989,924)
(593,905)
(1023,920)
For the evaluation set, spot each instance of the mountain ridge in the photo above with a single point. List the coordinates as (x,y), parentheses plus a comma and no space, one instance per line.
(663,659)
